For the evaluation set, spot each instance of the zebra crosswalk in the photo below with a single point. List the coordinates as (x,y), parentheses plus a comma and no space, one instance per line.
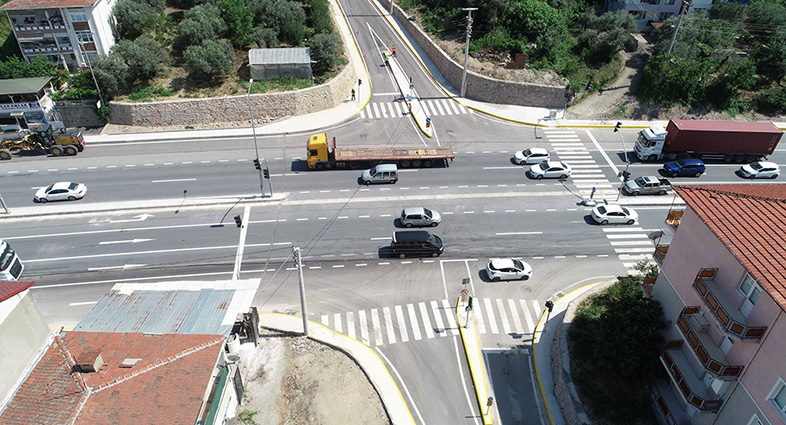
(432,108)
(631,243)
(433,319)
(586,174)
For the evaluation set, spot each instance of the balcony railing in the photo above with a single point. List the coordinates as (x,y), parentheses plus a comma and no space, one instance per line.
(703,351)
(715,300)
(692,397)
(674,217)
(660,253)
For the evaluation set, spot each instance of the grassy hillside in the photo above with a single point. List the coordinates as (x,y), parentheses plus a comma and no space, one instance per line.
(8,44)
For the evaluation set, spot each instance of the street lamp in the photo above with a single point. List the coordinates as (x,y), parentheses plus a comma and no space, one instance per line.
(466,49)
(625,173)
(254,131)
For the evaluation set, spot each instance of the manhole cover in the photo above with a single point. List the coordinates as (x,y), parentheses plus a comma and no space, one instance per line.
(526,289)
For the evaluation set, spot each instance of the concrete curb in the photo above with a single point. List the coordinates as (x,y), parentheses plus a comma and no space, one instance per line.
(474,360)
(366,358)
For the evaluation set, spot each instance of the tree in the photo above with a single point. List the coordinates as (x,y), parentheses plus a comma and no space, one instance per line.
(111,72)
(200,23)
(324,52)
(318,17)
(735,76)
(610,21)
(698,36)
(766,20)
(669,79)
(13,67)
(133,16)
(771,60)
(534,18)
(239,21)
(144,57)
(265,37)
(211,59)
(771,101)
(286,18)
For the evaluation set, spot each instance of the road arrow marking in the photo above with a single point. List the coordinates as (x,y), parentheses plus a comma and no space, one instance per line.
(140,217)
(127,241)
(123,267)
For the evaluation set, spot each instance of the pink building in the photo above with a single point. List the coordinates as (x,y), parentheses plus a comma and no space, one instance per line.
(723,289)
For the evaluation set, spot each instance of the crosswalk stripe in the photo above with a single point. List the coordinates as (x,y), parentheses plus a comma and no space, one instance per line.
(441,331)
(563,138)
(351,324)
(383,110)
(451,319)
(400,107)
(337,322)
(426,110)
(363,327)
(525,312)
(634,257)
(557,145)
(515,315)
(376,328)
(629,243)
(402,324)
(622,229)
(490,315)
(627,236)
(325,320)
(413,319)
(389,325)
(445,104)
(628,250)
(476,313)
(454,106)
(436,104)
(376,109)
(577,159)
(426,321)
(363,113)
(536,309)
(503,317)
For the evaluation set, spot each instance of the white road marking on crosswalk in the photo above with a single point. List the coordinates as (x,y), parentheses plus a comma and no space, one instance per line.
(337,322)
(441,331)
(351,324)
(389,325)
(426,109)
(527,317)
(627,236)
(393,113)
(490,314)
(413,318)
(451,318)
(427,328)
(622,229)
(629,250)
(325,320)
(376,328)
(363,327)
(629,243)
(376,109)
(515,315)
(479,324)
(402,324)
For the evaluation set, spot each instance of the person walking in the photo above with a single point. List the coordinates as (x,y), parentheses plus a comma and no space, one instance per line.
(353,94)
(394,51)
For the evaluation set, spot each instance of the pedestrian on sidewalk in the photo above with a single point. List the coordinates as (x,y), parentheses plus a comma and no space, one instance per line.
(394,51)
(353,94)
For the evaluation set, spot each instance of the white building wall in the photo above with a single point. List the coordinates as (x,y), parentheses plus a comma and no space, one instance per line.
(101,23)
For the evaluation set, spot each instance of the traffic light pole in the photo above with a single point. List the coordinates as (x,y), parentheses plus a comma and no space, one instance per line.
(302,284)
(254,132)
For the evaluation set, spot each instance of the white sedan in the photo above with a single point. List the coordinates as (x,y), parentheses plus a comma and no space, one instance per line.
(605,214)
(550,170)
(531,156)
(61,191)
(507,269)
(760,170)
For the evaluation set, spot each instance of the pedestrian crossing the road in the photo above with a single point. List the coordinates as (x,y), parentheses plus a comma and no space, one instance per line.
(632,244)
(432,108)
(433,319)
(586,174)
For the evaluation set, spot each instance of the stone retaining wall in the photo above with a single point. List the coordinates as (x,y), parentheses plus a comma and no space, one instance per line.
(479,87)
(79,116)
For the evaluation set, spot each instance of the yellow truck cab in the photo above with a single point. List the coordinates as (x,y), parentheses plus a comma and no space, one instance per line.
(317,149)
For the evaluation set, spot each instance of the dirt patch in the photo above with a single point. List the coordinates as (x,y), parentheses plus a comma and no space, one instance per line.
(292,380)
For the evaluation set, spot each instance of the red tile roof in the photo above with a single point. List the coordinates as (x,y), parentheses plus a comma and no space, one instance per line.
(46,4)
(9,289)
(750,220)
(169,392)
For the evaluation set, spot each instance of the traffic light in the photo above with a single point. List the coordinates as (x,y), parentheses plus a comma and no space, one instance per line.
(257,165)
(266,173)
(469,301)
(550,305)
(238,221)
(617,127)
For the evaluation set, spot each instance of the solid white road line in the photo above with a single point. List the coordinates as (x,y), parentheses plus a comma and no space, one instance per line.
(518,233)
(173,180)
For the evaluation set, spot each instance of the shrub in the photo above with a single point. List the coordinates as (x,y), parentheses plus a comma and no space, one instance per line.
(239,21)
(318,17)
(668,79)
(149,93)
(264,37)
(13,67)
(200,23)
(209,60)
(144,57)
(133,16)
(771,101)
(324,50)
(111,72)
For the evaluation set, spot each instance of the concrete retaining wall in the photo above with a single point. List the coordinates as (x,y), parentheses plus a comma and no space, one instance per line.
(479,87)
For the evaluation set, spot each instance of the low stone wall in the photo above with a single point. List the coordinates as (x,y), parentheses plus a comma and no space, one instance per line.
(79,116)
(479,87)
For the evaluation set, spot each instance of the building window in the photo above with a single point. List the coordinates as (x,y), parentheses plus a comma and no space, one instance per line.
(750,290)
(84,36)
(91,56)
(77,15)
(755,420)
(777,398)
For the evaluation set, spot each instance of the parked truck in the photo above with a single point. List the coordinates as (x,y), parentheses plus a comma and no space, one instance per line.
(321,157)
(41,138)
(738,141)
(647,185)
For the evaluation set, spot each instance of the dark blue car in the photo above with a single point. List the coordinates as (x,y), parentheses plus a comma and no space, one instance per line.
(684,167)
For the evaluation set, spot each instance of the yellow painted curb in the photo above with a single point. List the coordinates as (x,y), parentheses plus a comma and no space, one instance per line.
(486,418)
(360,56)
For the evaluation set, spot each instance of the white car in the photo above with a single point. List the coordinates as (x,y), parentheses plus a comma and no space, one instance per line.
(550,170)
(419,216)
(531,156)
(507,269)
(605,214)
(61,191)
(760,170)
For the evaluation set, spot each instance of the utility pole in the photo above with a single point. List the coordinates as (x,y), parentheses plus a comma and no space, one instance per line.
(299,264)
(254,131)
(683,7)
(466,49)
(391,7)
(87,59)
(625,173)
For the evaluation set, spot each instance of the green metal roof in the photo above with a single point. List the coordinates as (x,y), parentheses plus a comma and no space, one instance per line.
(23,85)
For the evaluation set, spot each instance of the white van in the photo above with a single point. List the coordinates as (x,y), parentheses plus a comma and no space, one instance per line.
(10,264)
(382,173)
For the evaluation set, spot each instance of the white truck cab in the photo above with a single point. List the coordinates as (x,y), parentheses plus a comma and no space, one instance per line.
(649,145)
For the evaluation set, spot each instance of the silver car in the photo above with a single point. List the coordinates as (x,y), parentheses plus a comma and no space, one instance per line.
(531,156)
(550,170)
(419,216)
(508,269)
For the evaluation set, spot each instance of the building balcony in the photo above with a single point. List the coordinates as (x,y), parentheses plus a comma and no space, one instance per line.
(729,317)
(693,327)
(690,387)
(660,253)
(673,218)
